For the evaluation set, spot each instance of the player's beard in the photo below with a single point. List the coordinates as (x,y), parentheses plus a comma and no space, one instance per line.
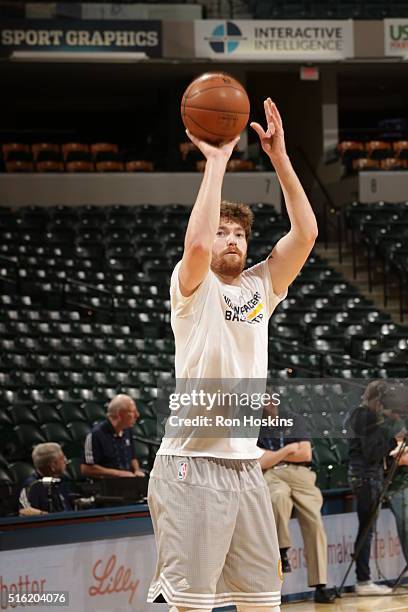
(228,265)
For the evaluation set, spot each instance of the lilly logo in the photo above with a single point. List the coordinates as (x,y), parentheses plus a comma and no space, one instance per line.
(225,38)
(110,577)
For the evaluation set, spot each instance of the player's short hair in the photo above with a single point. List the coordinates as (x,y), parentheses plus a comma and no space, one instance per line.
(44,453)
(239,213)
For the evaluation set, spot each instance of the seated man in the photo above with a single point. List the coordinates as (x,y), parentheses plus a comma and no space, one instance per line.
(286,465)
(44,491)
(109,450)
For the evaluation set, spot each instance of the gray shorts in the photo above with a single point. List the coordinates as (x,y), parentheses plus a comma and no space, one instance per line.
(215,533)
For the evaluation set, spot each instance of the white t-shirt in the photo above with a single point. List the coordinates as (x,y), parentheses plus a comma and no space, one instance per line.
(221,332)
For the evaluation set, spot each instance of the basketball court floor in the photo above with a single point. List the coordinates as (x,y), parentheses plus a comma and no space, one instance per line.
(351,603)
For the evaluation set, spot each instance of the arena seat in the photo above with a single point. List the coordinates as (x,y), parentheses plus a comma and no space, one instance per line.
(143,454)
(394,163)
(401,149)
(25,437)
(17,152)
(83,358)
(49,166)
(109,166)
(93,411)
(240,165)
(71,411)
(78,430)
(47,412)
(365,164)
(22,413)
(5,476)
(76,152)
(20,471)
(19,166)
(350,150)
(55,432)
(139,165)
(46,151)
(79,166)
(104,151)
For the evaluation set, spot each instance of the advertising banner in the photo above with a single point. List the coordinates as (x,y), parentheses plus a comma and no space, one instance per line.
(79,36)
(274,40)
(341,531)
(396,37)
(114,574)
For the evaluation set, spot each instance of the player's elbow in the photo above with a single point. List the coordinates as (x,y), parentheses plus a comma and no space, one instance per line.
(313,234)
(310,234)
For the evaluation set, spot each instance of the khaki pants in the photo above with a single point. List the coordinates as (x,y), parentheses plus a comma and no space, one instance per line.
(293,486)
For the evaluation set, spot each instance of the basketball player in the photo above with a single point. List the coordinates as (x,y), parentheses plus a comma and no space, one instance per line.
(210,507)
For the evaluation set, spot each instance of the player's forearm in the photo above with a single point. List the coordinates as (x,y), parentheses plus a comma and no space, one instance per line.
(302,218)
(205,216)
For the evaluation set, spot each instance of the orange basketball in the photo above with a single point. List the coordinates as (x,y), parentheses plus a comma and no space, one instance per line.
(215,107)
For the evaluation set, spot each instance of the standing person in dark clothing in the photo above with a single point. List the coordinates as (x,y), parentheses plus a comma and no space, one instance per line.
(374,438)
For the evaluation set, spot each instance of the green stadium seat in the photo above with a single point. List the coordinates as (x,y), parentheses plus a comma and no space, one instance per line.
(143,454)
(25,437)
(22,413)
(56,432)
(71,411)
(47,413)
(94,411)
(78,431)
(20,470)
(73,471)
(5,477)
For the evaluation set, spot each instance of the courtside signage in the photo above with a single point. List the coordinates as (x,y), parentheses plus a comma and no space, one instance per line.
(274,40)
(79,36)
(396,37)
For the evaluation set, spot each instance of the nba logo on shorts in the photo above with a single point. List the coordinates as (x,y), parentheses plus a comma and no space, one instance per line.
(182,470)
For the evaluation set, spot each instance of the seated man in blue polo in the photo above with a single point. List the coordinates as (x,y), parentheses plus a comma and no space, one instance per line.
(109,450)
(45,490)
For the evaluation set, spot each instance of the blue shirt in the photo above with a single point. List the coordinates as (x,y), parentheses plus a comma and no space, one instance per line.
(44,497)
(277,437)
(104,447)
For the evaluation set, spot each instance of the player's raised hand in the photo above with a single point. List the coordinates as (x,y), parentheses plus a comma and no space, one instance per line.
(223,151)
(273,139)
